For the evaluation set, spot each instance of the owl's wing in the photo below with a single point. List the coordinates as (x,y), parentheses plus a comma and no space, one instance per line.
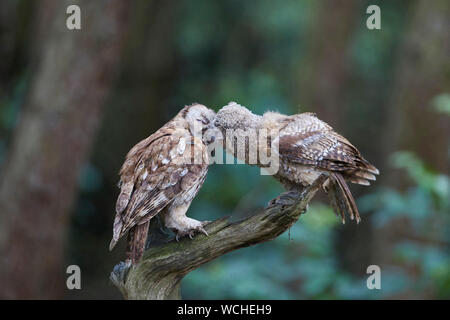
(130,166)
(169,165)
(317,148)
(307,140)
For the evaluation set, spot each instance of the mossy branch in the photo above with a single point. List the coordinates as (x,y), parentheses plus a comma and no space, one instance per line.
(159,274)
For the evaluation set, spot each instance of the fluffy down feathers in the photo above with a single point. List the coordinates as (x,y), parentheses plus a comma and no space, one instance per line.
(307,147)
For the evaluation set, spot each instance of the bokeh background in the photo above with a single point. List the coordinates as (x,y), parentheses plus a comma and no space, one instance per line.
(72,103)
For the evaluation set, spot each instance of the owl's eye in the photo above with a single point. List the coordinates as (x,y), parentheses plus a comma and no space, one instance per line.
(204,120)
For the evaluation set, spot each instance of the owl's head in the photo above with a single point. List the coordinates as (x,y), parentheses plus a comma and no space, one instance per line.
(201,122)
(234,116)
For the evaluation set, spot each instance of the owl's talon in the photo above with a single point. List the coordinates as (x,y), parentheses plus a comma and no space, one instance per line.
(203,231)
(191,232)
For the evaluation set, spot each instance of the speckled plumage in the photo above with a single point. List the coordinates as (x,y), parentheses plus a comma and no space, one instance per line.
(307,148)
(161,175)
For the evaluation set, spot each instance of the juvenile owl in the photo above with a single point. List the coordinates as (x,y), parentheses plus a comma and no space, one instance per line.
(161,175)
(306,148)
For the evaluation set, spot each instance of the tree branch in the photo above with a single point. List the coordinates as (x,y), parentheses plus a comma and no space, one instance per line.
(162,268)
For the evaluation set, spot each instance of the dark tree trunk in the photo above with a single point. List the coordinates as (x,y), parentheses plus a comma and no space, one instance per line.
(74,73)
(326,66)
(421,75)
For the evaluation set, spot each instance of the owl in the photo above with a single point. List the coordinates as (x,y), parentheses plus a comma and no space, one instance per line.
(306,147)
(161,176)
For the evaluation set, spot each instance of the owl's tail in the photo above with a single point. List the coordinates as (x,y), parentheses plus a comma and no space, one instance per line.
(341,198)
(137,237)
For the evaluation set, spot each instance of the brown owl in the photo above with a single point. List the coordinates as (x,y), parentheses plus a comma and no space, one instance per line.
(306,147)
(161,175)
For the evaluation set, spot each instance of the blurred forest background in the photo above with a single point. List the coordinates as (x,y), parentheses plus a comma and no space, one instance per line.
(72,103)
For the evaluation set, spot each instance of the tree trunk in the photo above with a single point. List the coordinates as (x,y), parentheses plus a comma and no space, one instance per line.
(326,65)
(421,75)
(74,72)
(159,274)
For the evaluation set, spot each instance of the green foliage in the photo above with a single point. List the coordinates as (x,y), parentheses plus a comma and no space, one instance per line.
(302,263)
(10,106)
(441,103)
(425,207)
(371,51)
(90,179)
(272,269)
(425,178)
